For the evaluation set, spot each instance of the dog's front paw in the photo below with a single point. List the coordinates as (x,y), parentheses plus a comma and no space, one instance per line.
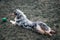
(13,22)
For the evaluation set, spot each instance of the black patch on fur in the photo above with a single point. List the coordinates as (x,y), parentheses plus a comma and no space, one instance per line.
(18,17)
(15,13)
(43,26)
(17,21)
(31,25)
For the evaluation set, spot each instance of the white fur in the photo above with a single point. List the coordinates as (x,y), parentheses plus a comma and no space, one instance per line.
(27,21)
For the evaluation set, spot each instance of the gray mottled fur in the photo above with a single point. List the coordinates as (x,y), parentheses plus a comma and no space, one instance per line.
(21,19)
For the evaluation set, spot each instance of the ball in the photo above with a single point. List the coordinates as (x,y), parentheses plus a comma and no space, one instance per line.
(4,19)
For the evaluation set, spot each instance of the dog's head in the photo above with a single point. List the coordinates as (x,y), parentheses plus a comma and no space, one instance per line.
(18,12)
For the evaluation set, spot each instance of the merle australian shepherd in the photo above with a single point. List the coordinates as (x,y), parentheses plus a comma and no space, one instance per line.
(22,20)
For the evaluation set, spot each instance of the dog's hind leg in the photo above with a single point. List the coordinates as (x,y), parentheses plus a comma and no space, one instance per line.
(48,33)
(52,32)
(39,30)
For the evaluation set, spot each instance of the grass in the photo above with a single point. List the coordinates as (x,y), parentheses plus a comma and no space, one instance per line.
(36,10)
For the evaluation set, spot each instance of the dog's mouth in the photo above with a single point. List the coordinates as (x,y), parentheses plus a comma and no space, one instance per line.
(14,13)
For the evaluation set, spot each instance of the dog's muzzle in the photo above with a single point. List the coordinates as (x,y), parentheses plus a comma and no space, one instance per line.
(15,13)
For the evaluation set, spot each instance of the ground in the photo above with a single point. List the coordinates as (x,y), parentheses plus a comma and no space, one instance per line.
(47,11)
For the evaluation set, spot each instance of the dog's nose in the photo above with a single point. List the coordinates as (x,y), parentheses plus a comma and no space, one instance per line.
(15,13)
(12,14)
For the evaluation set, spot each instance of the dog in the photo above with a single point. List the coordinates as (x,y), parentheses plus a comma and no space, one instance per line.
(22,20)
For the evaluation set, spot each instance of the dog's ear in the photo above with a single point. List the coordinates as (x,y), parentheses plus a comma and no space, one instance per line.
(19,11)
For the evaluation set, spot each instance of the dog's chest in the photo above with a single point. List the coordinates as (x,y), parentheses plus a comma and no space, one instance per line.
(25,23)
